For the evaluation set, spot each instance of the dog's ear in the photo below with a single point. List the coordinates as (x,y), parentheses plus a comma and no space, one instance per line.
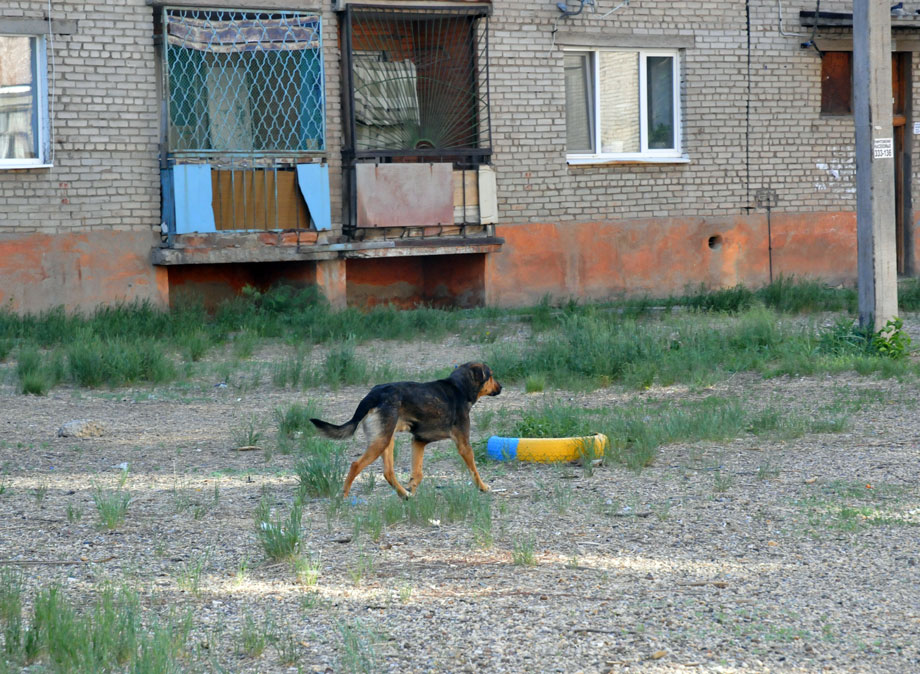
(478,370)
(468,379)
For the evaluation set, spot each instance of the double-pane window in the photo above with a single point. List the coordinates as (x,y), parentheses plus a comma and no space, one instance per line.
(23,103)
(622,104)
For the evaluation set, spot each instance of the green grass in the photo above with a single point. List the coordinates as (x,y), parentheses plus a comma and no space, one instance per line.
(189,576)
(433,504)
(852,507)
(294,425)
(112,507)
(592,348)
(248,434)
(321,467)
(522,551)
(579,347)
(110,635)
(638,430)
(93,362)
(280,537)
(357,654)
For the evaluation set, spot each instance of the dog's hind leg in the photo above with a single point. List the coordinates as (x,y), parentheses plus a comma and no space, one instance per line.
(466,453)
(418,454)
(377,447)
(389,471)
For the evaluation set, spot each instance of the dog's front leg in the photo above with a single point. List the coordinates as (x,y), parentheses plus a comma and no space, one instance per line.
(466,453)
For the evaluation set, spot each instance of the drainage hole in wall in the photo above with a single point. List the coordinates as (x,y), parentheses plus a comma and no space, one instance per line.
(715,242)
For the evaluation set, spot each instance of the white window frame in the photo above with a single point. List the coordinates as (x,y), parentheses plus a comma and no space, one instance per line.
(42,141)
(645,154)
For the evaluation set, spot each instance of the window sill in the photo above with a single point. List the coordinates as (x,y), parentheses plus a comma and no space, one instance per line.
(606,161)
(18,166)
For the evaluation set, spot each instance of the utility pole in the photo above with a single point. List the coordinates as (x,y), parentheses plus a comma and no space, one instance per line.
(872,115)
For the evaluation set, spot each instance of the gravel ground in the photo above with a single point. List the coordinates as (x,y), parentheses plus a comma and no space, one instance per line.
(755,555)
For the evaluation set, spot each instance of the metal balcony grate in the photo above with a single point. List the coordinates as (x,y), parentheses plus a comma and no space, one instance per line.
(244,82)
(418,82)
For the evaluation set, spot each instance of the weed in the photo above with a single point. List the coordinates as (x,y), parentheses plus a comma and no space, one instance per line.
(11,610)
(244,344)
(74,514)
(242,568)
(363,567)
(289,650)
(307,570)
(36,372)
(662,510)
(358,655)
(196,345)
(371,522)
(39,493)
(561,496)
(891,341)
(446,503)
(280,537)
(295,419)
(342,366)
(405,593)
(255,637)
(112,506)
(109,636)
(189,577)
(722,482)
(535,383)
(767,471)
(249,434)
(482,526)
(92,362)
(321,468)
(522,551)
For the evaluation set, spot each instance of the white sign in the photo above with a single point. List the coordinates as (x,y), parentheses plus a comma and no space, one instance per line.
(917,128)
(883,148)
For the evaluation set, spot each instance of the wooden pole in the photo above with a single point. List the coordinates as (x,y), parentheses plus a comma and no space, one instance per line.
(872,115)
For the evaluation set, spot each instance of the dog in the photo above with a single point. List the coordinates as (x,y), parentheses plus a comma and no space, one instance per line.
(430,411)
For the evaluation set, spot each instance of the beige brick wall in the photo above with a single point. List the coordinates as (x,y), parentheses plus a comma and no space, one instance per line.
(105,118)
(107,123)
(739,133)
(785,144)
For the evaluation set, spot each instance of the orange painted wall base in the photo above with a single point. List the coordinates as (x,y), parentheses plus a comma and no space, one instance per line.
(587,261)
(79,271)
(603,260)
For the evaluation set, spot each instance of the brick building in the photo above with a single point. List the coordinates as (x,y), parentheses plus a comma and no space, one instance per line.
(448,151)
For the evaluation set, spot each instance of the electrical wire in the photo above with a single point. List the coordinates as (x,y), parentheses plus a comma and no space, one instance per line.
(779,6)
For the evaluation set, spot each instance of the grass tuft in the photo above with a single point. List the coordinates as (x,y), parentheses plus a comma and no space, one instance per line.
(321,468)
(280,537)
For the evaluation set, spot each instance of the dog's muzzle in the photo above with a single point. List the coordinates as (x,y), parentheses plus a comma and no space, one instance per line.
(498,389)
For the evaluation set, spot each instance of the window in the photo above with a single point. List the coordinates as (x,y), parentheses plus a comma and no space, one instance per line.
(23,102)
(622,104)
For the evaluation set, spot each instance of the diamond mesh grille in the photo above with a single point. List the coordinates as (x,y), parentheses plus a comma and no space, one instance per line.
(244,82)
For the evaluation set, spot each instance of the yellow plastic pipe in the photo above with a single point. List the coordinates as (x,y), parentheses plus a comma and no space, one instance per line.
(546,450)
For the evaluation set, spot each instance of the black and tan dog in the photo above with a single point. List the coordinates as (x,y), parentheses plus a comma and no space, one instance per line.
(431,411)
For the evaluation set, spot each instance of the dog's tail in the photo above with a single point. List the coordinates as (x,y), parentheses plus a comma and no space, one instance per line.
(347,429)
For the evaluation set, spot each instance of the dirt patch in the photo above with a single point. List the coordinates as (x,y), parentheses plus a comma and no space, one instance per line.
(752,555)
